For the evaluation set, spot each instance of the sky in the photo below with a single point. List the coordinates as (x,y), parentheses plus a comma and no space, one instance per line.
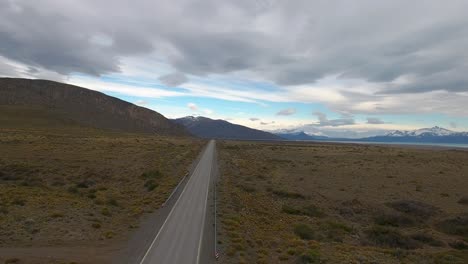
(342,68)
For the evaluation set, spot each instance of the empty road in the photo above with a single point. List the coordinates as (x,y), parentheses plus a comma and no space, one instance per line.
(179,240)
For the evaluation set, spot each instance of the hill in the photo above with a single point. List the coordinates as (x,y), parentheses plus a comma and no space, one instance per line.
(300,136)
(72,104)
(208,128)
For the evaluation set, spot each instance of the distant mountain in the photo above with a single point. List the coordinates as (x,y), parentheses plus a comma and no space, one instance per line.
(314,130)
(300,136)
(208,128)
(84,107)
(434,131)
(426,135)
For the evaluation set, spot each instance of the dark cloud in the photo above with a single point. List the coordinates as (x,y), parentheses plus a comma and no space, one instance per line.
(286,112)
(267,123)
(374,121)
(173,79)
(253,119)
(282,42)
(324,121)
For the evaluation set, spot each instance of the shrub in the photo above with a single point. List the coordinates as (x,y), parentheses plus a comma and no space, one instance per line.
(313,211)
(427,239)
(56,215)
(455,226)
(286,194)
(394,219)
(84,184)
(105,211)
(388,237)
(310,210)
(249,189)
(153,174)
(96,225)
(291,210)
(12,260)
(109,234)
(339,226)
(309,257)
(463,200)
(304,231)
(150,185)
(3,210)
(414,208)
(72,189)
(112,201)
(460,245)
(19,202)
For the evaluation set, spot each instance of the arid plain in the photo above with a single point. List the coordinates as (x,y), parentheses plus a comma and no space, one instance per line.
(342,203)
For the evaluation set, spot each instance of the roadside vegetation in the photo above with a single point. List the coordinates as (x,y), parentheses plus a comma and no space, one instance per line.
(65,185)
(337,203)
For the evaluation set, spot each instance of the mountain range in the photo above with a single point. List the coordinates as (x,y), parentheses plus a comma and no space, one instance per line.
(425,135)
(69,103)
(209,128)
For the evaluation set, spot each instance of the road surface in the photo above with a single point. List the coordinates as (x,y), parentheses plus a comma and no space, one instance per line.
(179,240)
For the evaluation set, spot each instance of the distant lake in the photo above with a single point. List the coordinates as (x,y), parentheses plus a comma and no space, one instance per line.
(448,145)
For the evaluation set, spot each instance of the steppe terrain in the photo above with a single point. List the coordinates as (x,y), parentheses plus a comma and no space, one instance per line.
(341,203)
(78,192)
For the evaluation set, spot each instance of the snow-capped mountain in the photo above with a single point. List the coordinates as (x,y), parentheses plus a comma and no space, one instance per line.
(433,132)
(317,131)
(425,135)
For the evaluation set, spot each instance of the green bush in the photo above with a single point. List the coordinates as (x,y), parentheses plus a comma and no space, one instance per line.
(286,194)
(112,201)
(20,202)
(310,210)
(455,226)
(150,185)
(427,239)
(414,208)
(105,211)
(460,245)
(309,257)
(72,189)
(153,174)
(388,237)
(304,231)
(394,219)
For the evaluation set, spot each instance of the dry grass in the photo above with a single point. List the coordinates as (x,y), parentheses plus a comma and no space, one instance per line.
(64,185)
(334,203)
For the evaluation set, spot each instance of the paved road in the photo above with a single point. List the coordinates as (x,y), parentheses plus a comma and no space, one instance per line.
(180,238)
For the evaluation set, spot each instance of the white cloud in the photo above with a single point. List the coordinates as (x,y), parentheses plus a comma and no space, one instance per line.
(208,111)
(125,89)
(192,106)
(141,102)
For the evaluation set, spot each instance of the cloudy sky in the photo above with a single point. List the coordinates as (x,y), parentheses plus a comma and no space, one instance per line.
(352,67)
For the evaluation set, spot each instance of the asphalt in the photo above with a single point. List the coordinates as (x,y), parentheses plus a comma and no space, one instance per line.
(180,238)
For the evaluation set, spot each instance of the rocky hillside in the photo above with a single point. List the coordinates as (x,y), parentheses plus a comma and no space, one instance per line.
(85,107)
